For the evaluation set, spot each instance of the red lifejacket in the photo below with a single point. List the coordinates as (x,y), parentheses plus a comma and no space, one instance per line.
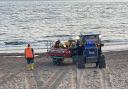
(28,53)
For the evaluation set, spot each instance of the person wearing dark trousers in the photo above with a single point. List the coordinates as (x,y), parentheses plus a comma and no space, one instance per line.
(29,56)
(80,58)
(73,50)
(99,54)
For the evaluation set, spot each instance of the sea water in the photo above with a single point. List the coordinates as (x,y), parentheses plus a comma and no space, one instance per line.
(34,22)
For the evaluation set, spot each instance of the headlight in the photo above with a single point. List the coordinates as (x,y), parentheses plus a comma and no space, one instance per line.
(77,37)
(100,36)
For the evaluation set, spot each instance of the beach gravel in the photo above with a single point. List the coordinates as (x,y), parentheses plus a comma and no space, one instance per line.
(14,74)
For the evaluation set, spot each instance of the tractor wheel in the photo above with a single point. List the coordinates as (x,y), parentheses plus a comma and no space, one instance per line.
(102,63)
(80,63)
(59,61)
(54,60)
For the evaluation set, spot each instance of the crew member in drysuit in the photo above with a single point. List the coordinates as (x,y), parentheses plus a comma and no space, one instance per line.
(99,52)
(58,44)
(80,58)
(73,50)
(29,56)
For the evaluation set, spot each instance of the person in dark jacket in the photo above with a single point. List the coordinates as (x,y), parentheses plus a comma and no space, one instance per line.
(80,57)
(57,43)
(73,50)
(77,43)
(80,50)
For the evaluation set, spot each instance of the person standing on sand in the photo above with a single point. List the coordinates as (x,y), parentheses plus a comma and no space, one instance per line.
(29,56)
(80,58)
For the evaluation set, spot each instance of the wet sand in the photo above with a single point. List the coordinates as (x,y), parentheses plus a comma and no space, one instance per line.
(14,74)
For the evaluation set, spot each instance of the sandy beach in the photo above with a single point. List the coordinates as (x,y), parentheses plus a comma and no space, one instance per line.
(14,75)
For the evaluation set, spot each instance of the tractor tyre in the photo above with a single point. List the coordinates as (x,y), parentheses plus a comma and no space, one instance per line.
(102,63)
(59,61)
(54,60)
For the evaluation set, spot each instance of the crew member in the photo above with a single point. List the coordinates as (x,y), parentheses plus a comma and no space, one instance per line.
(58,44)
(29,56)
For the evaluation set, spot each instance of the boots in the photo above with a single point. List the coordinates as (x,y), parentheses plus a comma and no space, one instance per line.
(29,66)
(32,66)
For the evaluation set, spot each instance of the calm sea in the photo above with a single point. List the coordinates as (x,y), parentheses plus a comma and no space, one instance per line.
(34,22)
